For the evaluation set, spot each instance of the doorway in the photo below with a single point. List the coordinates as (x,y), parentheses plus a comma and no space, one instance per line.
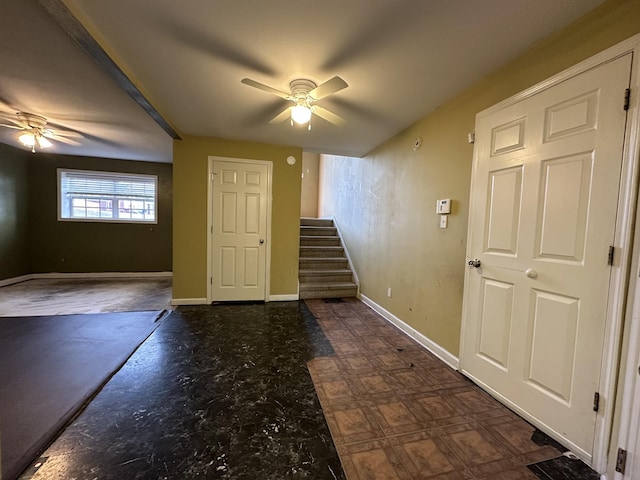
(239,228)
(542,303)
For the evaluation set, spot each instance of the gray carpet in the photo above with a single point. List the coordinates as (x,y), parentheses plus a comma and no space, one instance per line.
(89,295)
(50,366)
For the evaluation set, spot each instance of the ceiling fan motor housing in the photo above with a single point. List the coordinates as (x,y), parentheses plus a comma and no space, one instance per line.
(32,120)
(300,89)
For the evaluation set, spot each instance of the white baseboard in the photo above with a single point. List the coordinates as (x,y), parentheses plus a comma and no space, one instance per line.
(437,350)
(105,275)
(292,297)
(98,275)
(189,301)
(11,281)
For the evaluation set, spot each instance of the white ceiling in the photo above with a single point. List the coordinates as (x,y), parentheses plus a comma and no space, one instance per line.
(401,59)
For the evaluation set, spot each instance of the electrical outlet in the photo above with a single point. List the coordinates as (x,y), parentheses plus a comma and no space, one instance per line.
(443,221)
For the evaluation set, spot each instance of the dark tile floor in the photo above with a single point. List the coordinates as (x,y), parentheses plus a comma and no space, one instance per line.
(217,392)
(227,392)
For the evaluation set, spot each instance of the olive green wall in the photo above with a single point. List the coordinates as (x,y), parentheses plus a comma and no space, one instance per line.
(93,246)
(384,203)
(190,169)
(14,198)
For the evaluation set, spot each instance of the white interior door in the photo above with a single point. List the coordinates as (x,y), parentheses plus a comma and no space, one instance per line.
(239,221)
(543,213)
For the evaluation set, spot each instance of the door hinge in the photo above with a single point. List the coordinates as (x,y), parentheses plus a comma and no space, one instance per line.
(627,98)
(210,280)
(596,402)
(621,461)
(612,250)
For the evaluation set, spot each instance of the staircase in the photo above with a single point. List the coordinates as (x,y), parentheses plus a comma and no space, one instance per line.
(324,270)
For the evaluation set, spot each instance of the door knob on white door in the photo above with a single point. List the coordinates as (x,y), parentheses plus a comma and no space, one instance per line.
(261,241)
(474,263)
(531,273)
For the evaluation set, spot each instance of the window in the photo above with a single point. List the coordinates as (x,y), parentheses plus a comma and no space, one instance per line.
(106,196)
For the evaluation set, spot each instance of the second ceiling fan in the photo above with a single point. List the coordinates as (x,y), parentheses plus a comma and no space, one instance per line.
(304,93)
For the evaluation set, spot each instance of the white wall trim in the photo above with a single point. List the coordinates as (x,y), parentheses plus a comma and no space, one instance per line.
(444,355)
(98,275)
(189,301)
(628,414)
(284,298)
(629,434)
(104,275)
(11,281)
(356,280)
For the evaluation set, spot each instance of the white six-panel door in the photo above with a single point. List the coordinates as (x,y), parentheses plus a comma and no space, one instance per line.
(239,216)
(542,217)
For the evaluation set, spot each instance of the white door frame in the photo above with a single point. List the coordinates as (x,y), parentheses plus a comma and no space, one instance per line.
(629,374)
(629,417)
(267,270)
(619,292)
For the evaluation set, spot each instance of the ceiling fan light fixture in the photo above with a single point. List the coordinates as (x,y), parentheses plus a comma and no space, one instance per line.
(44,142)
(301,114)
(28,139)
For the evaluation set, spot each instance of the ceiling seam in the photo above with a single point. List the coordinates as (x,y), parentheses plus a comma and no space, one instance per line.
(65,19)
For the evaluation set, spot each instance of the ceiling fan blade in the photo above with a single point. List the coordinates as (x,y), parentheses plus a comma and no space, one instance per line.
(61,139)
(282,116)
(11,126)
(332,85)
(66,134)
(265,88)
(327,115)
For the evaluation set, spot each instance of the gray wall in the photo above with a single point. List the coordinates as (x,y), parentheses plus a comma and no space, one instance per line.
(14,239)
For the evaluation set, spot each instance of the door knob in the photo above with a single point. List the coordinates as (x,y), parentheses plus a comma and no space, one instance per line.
(474,263)
(261,241)
(531,273)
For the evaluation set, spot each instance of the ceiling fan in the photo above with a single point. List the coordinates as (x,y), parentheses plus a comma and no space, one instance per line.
(304,93)
(35,134)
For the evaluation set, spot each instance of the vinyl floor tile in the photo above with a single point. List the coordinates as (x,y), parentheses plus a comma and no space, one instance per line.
(327,390)
(396,411)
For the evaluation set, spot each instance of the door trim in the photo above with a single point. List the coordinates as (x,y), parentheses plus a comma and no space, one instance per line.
(619,289)
(267,270)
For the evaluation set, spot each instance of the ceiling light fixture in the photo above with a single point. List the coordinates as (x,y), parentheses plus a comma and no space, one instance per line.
(32,139)
(27,139)
(304,95)
(301,114)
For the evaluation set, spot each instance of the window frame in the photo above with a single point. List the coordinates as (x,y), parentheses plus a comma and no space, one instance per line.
(106,174)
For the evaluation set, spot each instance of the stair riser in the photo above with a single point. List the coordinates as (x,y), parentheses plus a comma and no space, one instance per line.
(315,278)
(315,231)
(319,264)
(322,252)
(316,222)
(348,292)
(320,242)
